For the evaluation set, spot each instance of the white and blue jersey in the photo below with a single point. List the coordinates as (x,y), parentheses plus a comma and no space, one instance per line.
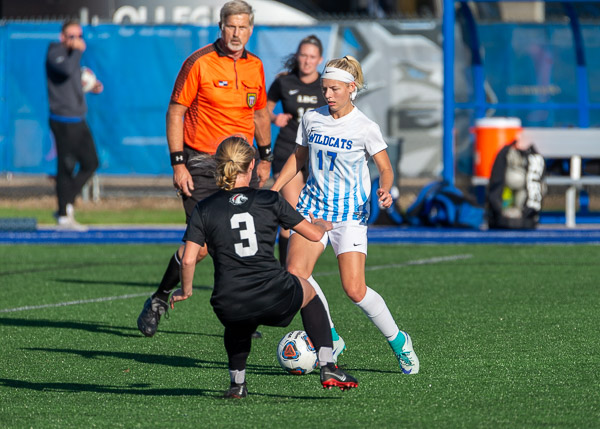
(339,184)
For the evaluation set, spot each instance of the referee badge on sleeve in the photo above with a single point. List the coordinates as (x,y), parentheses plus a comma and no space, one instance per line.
(251,99)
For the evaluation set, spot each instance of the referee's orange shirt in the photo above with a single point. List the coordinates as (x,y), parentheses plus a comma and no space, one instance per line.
(221,95)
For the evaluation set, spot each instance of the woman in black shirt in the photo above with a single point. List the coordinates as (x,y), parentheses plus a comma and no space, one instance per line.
(239,225)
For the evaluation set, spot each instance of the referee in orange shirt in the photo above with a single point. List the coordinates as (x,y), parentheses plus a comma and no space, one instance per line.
(220,91)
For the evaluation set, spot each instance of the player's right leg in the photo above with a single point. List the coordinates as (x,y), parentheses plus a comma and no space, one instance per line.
(302,257)
(352,273)
(314,319)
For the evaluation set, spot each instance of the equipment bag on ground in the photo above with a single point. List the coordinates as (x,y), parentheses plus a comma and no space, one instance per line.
(516,188)
(442,204)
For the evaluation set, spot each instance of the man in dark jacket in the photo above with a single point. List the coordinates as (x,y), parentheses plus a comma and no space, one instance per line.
(74,143)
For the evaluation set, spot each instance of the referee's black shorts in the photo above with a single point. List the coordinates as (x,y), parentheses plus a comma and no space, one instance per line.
(202,166)
(281,152)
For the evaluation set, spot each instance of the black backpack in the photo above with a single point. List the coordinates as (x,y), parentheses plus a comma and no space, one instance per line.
(505,211)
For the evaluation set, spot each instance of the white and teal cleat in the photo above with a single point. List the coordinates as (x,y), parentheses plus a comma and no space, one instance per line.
(339,346)
(407,358)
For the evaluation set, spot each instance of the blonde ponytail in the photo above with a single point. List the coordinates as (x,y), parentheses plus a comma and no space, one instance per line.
(233,157)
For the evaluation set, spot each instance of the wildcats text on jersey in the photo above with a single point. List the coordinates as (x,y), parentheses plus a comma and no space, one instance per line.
(330,141)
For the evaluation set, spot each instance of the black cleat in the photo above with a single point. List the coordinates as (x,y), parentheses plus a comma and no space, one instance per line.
(256,335)
(332,376)
(150,316)
(236,391)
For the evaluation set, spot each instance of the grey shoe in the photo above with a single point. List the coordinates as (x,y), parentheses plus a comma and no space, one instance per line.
(332,376)
(236,391)
(150,316)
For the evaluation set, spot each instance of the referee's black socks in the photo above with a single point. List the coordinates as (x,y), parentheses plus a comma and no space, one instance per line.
(170,279)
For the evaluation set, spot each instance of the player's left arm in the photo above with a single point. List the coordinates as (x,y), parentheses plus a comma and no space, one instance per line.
(262,135)
(291,167)
(386,178)
(314,229)
(188,266)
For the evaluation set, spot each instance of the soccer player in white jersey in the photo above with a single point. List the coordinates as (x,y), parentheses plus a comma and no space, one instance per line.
(338,139)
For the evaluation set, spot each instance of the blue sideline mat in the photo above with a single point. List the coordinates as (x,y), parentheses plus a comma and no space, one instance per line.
(377,234)
(464,236)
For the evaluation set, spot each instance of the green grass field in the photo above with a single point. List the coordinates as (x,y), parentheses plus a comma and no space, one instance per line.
(98,216)
(507,336)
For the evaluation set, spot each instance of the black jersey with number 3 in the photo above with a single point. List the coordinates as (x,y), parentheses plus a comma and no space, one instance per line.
(296,98)
(240,227)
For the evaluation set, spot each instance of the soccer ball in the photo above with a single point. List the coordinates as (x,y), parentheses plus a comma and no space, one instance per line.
(296,353)
(88,79)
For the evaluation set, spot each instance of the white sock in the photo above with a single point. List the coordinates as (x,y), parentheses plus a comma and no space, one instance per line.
(321,295)
(376,309)
(236,376)
(325,356)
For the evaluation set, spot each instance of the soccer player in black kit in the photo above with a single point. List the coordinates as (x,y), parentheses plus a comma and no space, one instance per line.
(239,225)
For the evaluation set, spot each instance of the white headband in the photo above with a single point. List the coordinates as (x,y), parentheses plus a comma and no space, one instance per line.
(337,74)
(341,75)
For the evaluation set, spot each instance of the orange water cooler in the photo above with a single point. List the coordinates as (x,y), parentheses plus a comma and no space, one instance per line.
(491,135)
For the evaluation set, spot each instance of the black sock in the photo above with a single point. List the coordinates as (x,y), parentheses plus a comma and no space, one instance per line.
(238,342)
(170,279)
(316,323)
(283,245)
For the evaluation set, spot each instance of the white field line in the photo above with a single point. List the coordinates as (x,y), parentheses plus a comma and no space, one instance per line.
(81,301)
(435,260)
(323,273)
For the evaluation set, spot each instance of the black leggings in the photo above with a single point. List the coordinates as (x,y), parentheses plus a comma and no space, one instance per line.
(238,335)
(238,341)
(74,147)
